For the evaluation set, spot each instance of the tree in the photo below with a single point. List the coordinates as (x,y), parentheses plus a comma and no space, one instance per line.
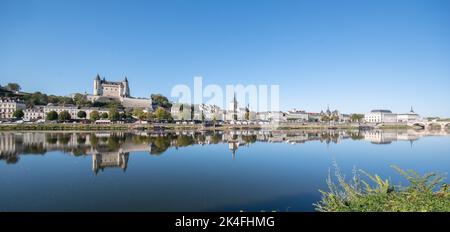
(104,115)
(52,116)
(325,118)
(94,115)
(159,100)
(81,114)
(139,113)
(13,87)
(357,117)
(81,100)
(203,116)
(247,113)
(18,114)
(64,116)
(114,114)
(162,114)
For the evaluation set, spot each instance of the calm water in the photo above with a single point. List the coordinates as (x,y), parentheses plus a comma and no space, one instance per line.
(193,171)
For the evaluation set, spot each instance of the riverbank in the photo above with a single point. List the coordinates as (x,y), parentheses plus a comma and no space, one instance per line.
(424,193)
(158,126)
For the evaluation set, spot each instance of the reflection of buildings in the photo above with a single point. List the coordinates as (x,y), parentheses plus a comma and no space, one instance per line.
(109,160)
(112,149)
(387,137)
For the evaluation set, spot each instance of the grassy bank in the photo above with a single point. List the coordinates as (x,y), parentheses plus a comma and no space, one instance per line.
(427,193)
(87,127)
(62,127)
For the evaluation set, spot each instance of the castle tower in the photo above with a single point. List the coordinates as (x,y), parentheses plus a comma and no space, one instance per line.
(97,86)
(126,88)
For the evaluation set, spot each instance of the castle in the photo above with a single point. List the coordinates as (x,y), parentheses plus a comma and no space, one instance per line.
(105,91)
(103,88)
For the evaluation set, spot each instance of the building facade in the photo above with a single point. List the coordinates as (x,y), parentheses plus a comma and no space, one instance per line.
(8,106)
(104,88)
(297,116)
(380,116)
(411,116)
(34,113)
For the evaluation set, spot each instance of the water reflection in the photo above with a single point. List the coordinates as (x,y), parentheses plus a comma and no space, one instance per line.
(112,149)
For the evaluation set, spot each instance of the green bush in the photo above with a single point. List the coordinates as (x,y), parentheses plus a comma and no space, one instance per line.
(427,193)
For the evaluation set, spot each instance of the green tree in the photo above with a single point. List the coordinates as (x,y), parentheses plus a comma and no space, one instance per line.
(94,115)
(161,101)
(52,116)
(325,118)
(64,116)
(81,100)
(139,113)
(82,114)
(203,116)
(18,114)
(357,117)
(104,115)
(13,87)
(114,114)
(162,114)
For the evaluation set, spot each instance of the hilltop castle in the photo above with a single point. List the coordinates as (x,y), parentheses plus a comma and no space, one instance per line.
(103,88)
(105,91)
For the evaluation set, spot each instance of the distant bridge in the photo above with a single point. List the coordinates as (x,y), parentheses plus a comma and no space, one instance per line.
(429,124)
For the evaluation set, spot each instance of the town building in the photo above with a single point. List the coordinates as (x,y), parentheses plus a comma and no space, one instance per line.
(380,116)
(297,116)
(34,113)
(8,106)
(73,110)
(411,116)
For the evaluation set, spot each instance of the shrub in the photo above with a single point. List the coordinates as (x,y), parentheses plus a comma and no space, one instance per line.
(427,193)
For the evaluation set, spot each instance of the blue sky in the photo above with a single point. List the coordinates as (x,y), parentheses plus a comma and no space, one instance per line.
(351,55)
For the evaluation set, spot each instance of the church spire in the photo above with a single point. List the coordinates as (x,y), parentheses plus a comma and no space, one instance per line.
(412,111)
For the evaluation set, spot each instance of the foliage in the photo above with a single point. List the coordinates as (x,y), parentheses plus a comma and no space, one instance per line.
(159,100)
(18,114)
(114,114)
(52,116)
(425,193)
(104,115)
(81,114)
(94,115)
(64,116)
(162,114)
(13,87)
(357,117)
(81,100)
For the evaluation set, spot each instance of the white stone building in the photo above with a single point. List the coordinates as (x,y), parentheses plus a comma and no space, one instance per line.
(297,116)
(8,106)
(408,117)
(34,113)
(380,116)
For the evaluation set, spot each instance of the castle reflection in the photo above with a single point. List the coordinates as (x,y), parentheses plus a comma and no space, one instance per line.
(112,149)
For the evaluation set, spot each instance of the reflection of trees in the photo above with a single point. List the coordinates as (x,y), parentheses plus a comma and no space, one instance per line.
(34,149)
(51,139)
(215,138)
(160,144)
(13,159)
(81,139)
(64,138)
(184,140)
(93,140)
(249,138)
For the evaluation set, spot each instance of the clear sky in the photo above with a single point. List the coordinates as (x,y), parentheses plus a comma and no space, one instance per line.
(351,55)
